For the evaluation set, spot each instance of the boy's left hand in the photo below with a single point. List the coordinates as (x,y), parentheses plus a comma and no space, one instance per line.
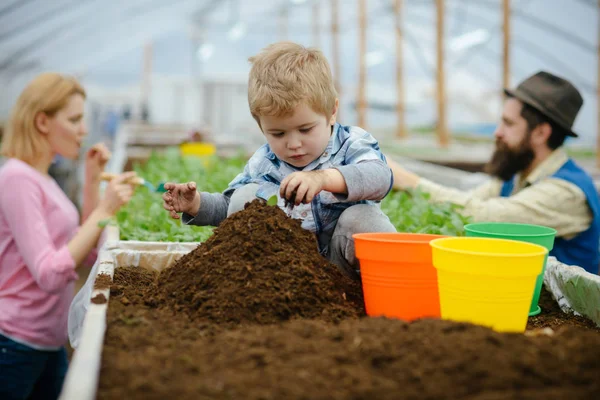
(306,185)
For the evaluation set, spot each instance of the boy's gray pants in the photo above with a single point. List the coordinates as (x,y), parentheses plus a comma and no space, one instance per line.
(359,218)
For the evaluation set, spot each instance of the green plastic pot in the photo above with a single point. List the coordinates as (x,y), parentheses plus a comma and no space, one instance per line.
(536,234)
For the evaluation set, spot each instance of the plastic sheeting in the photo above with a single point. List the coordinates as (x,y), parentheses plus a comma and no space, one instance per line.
(575,289)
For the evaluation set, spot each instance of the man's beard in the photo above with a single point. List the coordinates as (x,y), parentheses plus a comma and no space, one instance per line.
(507,162)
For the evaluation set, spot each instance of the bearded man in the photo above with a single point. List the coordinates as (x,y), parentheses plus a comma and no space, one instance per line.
(534,181)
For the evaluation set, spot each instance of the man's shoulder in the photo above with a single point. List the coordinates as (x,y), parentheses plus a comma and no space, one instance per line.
(572,171)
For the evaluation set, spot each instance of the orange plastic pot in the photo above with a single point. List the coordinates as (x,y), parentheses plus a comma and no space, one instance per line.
(398,276)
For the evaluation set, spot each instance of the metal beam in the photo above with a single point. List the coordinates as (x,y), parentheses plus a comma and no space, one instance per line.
(532,48)
(39,42)
(556,30)
(97,26)
(33,22)
(13,6)
(535,21)
(121,40)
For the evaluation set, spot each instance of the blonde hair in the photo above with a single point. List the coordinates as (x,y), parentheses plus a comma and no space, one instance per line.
(285,74)
(47,93)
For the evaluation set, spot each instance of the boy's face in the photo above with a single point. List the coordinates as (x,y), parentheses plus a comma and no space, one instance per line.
(300,138)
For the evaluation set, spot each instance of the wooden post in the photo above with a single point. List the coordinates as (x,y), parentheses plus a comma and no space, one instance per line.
(362,51)
(598,94)
(336,50)
(315,23)
(146,74)
(506,45)
(442,131)
(401,128)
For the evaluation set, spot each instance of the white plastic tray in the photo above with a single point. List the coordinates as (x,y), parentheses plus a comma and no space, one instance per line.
(575,290)
(82,378)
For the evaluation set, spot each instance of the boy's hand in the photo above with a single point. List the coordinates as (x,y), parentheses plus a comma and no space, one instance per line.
(302,187)
(181,198)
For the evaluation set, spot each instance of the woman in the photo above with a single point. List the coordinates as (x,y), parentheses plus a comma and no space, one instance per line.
(41,242)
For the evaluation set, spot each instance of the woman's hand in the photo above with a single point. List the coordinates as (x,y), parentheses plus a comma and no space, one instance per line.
(95,161)
(117,193)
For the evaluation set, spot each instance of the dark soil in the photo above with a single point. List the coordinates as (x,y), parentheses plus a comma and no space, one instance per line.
(99,299)
(259,267)
(153,354)
(553,317)
(103,281)
(132,285)
(168,336)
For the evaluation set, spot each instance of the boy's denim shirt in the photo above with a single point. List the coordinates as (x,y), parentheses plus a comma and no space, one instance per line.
(347,145)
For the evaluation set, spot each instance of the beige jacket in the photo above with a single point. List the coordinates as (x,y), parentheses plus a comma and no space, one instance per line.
(539,199)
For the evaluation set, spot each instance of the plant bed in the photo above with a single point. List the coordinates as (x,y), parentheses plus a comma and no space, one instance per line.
(155,354)
(554,318)
(409,211)
(255,313)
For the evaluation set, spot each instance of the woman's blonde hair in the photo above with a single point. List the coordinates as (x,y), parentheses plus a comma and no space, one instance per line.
(48,93)
(285,74)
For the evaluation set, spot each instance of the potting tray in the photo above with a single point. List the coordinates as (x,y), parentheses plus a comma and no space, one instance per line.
(82,379)
(575,289)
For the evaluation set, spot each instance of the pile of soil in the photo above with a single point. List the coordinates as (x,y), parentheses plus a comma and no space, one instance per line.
(259,267)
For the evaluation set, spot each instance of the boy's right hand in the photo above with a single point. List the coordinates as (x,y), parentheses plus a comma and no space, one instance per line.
(181,198)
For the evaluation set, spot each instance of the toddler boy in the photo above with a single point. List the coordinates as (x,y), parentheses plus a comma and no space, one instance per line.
(334,175)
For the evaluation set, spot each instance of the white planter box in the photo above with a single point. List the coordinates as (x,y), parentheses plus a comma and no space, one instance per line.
(87,321)
(575,290)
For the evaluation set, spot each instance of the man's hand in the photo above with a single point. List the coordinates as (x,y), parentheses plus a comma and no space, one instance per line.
(403,179)
(181,197)
(302,187)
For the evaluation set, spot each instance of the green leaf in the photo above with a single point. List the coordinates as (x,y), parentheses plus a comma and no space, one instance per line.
(412,212)
(272,201)
(144,218)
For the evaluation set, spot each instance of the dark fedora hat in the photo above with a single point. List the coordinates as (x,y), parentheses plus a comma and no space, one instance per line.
(551,95)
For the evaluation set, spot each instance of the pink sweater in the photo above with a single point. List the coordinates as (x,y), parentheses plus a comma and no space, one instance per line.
(37,272)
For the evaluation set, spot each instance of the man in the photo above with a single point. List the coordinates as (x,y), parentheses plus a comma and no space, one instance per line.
(534,181)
